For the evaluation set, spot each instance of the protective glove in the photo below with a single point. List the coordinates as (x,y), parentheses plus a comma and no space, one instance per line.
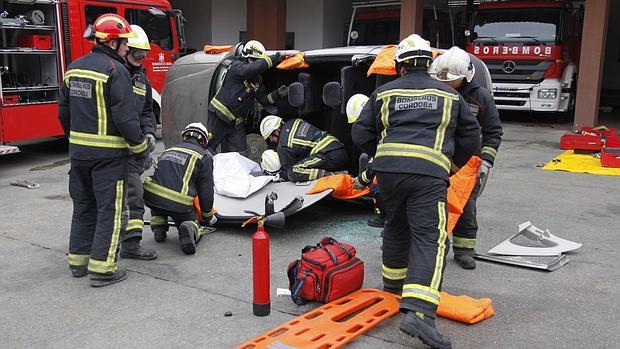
(283,91)
(150,142)
(212,220)
(483,175)
(148,162)
(357,184)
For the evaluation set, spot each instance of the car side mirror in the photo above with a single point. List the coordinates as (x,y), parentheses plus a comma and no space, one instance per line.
(296,94)
(156,12)
(332,94)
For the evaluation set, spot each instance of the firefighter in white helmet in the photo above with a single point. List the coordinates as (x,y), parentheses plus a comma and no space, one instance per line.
(182,172)
(235,100)
(414,127)
(270,162)
(306,153)
(131,236)
(455,68)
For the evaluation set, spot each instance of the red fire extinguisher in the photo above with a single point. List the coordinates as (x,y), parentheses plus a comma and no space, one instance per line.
(261,303)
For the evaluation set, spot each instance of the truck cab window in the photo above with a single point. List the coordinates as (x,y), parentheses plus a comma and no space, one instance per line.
(93,12)
(157,28)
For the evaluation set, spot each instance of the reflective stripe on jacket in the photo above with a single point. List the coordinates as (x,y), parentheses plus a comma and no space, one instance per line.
(182,172)
(416,124)
(97,108)
(482,105)
(299,139)
(242,86)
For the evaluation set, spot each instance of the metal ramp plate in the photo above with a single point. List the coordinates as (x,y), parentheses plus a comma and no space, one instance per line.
(332,325)
(232,209)
(8,149)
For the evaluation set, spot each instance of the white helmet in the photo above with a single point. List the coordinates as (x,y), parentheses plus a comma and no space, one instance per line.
(354,106)
(270,161)
(413,47)
(253,49)
(198,130)
(452,65)
(141,40)
(269,124)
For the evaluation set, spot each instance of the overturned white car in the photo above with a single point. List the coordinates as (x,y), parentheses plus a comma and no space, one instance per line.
(317,93)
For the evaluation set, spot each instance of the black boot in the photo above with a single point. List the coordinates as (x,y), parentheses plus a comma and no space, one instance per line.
(159,233)
(100,280)
(131,248)
(187,237)
(422,326)
(377,221)
(465,259)
(78,272)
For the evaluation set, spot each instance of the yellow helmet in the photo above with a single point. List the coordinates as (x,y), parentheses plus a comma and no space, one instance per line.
(141,41)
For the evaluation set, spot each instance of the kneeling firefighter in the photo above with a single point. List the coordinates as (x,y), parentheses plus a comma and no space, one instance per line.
(181,173)
(422,125)
(454,67)
(355,105)
(305,152)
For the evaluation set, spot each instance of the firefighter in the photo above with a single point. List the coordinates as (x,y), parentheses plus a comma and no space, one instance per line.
(241,89)
(355,104)
(98,114)
(414,127)
(130,239)
(305,152)
(455,68)
(182,172)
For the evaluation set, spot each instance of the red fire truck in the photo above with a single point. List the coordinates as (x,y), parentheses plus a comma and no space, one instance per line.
(41,37)
(531,49)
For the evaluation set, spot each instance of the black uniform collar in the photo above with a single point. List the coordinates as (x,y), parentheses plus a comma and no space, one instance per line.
(416,74)
(133,70)
(108,51)
(466,87)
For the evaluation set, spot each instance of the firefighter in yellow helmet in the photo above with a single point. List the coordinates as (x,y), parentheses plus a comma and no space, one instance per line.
(421,126)
(242,88)
(130,240)
(98,114)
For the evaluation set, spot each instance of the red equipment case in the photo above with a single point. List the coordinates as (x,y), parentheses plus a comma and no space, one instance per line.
(10,99)
(39,42)
(610,154)
(587,138)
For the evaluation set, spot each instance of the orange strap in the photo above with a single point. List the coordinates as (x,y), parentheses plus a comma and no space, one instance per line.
(332,325)
(461,185)
(217,49)
(294,62)
(342,184)
(384,64)
(464,308)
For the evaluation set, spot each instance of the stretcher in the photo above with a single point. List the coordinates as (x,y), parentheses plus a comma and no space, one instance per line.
(332,325)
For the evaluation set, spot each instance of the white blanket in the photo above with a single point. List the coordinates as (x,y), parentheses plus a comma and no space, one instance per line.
(232,175)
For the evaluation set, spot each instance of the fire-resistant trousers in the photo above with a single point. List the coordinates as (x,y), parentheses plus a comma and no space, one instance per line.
(98,190)
(308,168)
(415,238)
(135,200)
(231,137)
(159,220)
(466,229)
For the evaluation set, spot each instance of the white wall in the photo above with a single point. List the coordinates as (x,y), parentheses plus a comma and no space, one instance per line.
(336,14)
(228,18)
(198,15)
(305,19)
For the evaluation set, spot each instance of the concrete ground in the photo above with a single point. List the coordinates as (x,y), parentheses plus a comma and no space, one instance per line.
(180,301)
